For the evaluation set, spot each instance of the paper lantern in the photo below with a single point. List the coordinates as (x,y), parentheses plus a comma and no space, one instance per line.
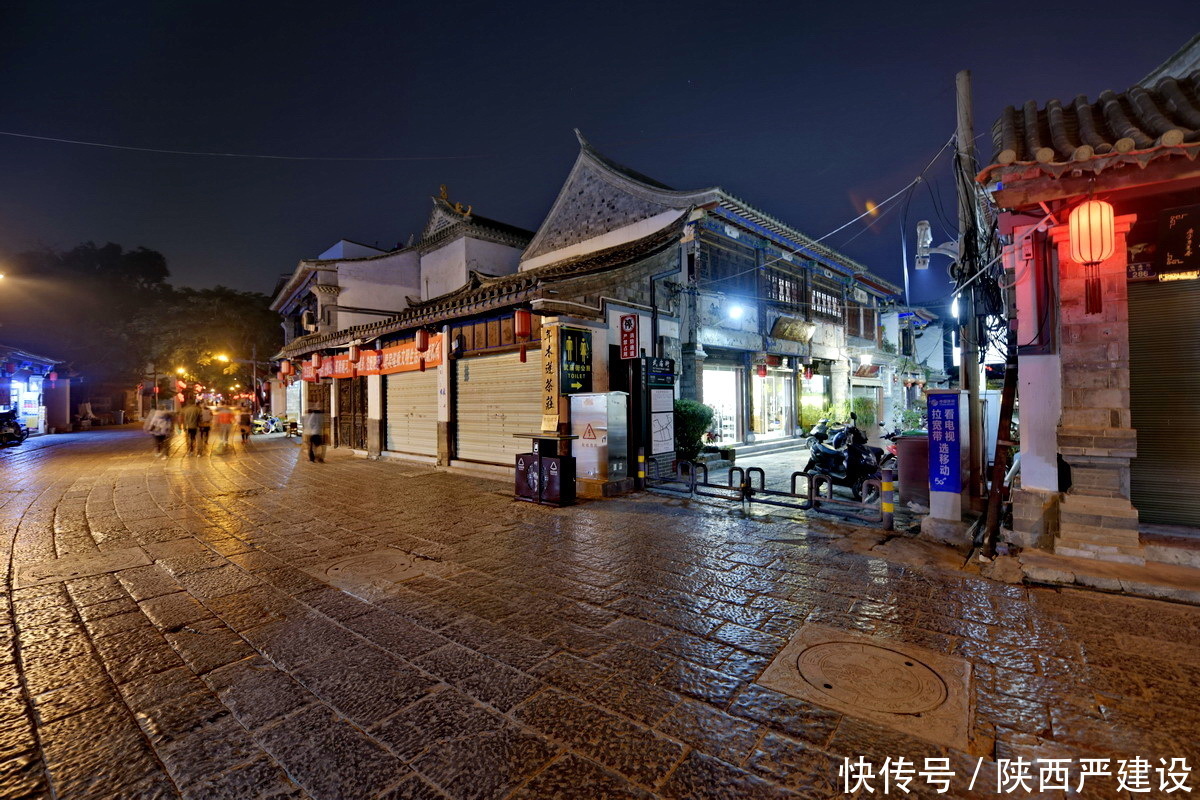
(354,354)
(53,376)
(1093,238)
(522,323)
(422,340)
(761,370)
(285,367)
(316,360)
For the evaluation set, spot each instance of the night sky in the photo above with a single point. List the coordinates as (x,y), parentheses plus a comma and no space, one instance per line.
(806,112)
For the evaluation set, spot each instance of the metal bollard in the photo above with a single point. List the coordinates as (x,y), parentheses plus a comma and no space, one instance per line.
(640,481)
(888,499)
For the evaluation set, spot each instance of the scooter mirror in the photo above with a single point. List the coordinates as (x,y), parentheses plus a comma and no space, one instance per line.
(854,416)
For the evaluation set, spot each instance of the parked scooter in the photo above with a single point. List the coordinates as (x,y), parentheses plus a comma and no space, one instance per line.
(12,432)
(268,425)
(847,460)
(820,433)
(891,453)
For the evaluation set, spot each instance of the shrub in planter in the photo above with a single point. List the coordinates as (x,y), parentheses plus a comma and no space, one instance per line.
(691,422)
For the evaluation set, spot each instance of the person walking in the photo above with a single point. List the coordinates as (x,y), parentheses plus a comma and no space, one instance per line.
(223,422)
(159,425)
(245,424)
(206,420)
(314,434)
(190,418)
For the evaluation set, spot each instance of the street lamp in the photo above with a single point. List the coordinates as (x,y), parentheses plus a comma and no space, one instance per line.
(224,359)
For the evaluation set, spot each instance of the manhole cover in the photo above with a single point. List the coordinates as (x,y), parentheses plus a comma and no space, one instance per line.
(872,677)
(894,684)
(389,566)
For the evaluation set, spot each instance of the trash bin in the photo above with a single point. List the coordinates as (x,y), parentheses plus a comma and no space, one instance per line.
(529,477)
(119,416)
(912,451)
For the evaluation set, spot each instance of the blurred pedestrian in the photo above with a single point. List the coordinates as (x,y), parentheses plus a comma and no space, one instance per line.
(159,425)
(190,419)
(206,420)
(223,423)
(314,434)
(245,424)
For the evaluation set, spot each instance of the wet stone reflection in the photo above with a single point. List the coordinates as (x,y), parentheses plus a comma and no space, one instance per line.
(262,627)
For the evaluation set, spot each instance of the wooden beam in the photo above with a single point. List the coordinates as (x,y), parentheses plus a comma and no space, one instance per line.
(1180,172)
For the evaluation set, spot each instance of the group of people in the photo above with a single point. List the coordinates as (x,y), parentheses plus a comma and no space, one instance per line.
(199,423)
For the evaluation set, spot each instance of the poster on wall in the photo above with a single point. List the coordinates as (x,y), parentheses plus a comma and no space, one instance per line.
(1179,240)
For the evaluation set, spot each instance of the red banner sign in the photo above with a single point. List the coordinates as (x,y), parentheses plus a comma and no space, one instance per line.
(406,357)
(400,358)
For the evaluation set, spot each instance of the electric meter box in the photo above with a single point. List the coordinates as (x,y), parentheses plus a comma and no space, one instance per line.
(601,421)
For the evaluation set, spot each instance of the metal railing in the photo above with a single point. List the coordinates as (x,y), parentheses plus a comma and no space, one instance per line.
(808,492)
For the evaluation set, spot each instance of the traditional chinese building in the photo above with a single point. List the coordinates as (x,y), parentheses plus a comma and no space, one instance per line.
(1101,215)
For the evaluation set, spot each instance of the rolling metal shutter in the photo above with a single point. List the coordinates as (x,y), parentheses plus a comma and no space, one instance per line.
(1164,396)
(497,397)
(410,416)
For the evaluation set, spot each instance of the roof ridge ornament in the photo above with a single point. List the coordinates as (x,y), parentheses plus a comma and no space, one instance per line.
(444,197)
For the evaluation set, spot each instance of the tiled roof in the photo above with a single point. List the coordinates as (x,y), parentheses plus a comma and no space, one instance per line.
(483,293)
(1145,123)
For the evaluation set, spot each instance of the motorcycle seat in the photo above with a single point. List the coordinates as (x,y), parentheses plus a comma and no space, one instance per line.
(827,450)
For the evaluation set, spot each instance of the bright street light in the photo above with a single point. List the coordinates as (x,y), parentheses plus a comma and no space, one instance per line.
(222,358)
(735,312)
(180,371)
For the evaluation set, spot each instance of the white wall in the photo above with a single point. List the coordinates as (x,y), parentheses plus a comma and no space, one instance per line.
(492,258)
(379,283)
(444,270)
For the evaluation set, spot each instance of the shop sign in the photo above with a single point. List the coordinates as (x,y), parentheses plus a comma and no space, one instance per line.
(326,368)
(407,358)
(793,329)
(368,362)
(629,336)
(575,347)
(548,377)
(1179,239)
(945,473)
(341,367)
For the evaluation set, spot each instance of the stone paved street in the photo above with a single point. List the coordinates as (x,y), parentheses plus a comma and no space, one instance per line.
(166,635)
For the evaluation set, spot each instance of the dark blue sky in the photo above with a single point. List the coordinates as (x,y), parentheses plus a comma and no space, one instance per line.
(806,112)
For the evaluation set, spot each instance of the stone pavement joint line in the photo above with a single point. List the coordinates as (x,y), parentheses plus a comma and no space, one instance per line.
(484,648)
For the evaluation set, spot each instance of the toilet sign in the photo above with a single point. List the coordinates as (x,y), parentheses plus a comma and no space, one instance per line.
(629,336)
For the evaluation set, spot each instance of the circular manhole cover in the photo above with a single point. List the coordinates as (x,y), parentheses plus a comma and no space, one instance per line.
(394,566)
(872,677)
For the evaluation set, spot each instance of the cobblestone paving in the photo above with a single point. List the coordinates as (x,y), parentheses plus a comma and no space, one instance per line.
(604,651)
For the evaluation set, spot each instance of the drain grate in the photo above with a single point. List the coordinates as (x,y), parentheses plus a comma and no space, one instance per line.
(899,686)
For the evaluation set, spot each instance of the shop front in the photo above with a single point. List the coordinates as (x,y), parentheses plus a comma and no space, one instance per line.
(23,378)
(753,398)
(816,393)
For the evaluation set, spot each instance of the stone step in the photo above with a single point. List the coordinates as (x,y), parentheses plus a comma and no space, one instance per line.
(1176,582)
(1169,547)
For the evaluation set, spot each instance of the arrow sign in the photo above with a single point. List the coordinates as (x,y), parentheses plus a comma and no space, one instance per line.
(576,385)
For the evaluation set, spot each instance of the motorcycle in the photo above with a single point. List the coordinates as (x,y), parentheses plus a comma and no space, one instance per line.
(820,433)
(12,432)
(268,425)
(847,461)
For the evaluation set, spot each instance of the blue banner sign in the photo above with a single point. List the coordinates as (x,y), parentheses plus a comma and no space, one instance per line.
(945,436)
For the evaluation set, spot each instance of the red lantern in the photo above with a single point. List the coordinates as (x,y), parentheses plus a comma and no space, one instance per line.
(1093,238)
(808,373)
(179,398)
(285,367)
(53,376)
(422,340)
(762,370)
(354,354)
(316,361)
(522,323)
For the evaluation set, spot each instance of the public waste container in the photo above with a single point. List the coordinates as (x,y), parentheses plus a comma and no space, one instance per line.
(912,451)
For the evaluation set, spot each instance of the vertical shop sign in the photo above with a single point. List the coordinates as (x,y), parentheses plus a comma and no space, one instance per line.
(575,347)
(945,470)
(629,336)
(549,377)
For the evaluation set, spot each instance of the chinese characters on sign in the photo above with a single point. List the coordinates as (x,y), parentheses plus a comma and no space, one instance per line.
(1019,776)
(398,358)
(1179,242)
(629,335)
(575,346)
(945,462)
(549,378)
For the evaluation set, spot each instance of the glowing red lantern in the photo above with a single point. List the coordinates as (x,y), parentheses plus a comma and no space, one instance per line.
(316,360)
(522,323)
(354,354)
(285,367)
(1092,227)
(53,376)
(422,340)
(762,370)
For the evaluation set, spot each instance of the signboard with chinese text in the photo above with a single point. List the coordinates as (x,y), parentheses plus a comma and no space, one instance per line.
(945,443)
(549,377)
(1179,239)
(307,372)
(629,336)
(368,362)
(575,347)
(407,358)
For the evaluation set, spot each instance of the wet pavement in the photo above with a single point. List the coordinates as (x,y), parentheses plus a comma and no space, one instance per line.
(175,628)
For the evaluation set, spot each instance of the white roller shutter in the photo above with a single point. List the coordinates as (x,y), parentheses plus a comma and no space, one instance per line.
(410,417)
(497,396)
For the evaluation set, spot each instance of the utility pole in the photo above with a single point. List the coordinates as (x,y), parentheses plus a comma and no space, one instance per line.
(968,332)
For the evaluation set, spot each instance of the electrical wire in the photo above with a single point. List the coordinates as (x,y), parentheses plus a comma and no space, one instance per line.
(236,155)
